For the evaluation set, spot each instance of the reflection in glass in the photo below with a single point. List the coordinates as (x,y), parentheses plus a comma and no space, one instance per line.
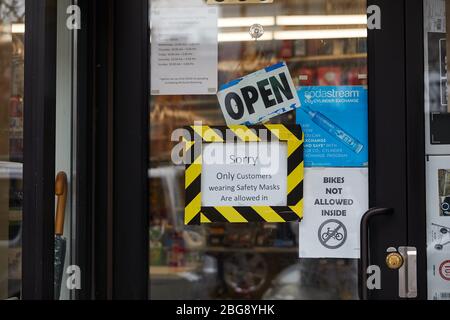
(323,43)
(12,15)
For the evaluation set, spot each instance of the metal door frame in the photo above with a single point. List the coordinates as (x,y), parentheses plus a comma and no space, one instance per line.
(396,142)
(396,139)
(39,149)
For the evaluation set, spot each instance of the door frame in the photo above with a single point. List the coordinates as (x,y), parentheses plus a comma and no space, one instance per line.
(415,121)
(387,140)
(112,150)
(118,253)
(397,139)
(131,149)
(400,137)
(39,150)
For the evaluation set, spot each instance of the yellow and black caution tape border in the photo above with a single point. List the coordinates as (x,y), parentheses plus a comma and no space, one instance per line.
(196,214)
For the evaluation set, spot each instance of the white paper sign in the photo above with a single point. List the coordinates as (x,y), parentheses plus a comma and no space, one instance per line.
(244,174)
(435,73)
(183,48)
(258,96)
(335,199)
(438,227)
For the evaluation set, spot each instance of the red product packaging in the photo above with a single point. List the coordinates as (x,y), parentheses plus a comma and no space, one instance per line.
(329,76)
(307,76)
(357,76)
(286,49)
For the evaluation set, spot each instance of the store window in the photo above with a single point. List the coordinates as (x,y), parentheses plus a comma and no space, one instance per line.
(323,43)
(12,15)
(437,140)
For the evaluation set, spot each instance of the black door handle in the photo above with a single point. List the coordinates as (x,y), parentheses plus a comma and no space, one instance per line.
(364,247)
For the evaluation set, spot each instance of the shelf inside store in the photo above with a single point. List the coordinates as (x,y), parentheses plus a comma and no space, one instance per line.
(170,272)
(231,65)
(331,57)
(212,249)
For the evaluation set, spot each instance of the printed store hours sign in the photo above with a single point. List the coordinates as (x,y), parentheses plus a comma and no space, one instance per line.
(259,96)
(241,174)
(184,48)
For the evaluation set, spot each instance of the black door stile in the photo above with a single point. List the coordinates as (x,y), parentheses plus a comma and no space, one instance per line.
(131,75)
(39,149)
(387,139)
(415,138)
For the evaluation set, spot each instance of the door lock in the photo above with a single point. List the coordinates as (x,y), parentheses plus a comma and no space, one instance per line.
(394,260)
(404,259)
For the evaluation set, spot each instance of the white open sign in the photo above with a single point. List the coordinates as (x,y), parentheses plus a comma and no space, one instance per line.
(259,96)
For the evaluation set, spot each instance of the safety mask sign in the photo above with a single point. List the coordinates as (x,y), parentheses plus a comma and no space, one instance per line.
(259,96)
(242,174)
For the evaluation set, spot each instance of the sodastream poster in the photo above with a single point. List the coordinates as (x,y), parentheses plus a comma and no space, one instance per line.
(334,120)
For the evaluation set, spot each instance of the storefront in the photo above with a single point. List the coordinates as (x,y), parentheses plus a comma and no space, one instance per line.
(98,89)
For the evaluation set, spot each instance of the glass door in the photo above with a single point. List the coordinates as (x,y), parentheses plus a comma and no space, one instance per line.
(194,65)
(198,48)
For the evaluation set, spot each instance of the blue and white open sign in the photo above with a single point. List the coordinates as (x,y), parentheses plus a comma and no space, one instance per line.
(335,122)
(259,96)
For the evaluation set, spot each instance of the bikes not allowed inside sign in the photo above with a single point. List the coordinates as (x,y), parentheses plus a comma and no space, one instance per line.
(335,199)
(332,234)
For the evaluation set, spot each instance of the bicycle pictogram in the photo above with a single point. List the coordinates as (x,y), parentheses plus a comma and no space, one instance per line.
(332,234)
